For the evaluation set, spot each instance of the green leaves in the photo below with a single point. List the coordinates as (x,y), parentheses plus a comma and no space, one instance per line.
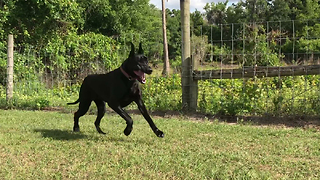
(36,22)
(160,93)
(114,17)
(94,52)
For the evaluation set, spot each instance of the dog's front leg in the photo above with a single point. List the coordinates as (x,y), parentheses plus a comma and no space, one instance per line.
(146,115)
(118,109)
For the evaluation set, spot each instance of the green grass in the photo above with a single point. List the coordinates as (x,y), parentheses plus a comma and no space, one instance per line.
(41,145)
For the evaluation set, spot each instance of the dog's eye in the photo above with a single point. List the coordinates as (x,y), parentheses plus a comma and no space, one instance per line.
(146,60)
(143,60)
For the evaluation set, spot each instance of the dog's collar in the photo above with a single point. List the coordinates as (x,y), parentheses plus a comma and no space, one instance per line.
(126,74)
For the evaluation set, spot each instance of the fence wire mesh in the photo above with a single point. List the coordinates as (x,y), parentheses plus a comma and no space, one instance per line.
(52,77)
(232,48)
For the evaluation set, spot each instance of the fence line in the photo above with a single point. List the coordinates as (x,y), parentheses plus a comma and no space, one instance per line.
(226,50)
(257,72)
(250,68)
(49,77)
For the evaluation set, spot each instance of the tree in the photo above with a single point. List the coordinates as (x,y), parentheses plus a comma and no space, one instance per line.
(4,12)
(216,13)
(280,10)
(197,23)
(174,33)
(256,10)
(36,22)
(235,13)
(126,20)
(113,17)
(309,11)
(166,65)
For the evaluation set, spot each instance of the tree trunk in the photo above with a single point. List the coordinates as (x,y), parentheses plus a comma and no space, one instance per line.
(166,65)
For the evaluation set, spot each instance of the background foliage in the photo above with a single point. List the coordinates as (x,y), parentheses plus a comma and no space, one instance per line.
(59,42)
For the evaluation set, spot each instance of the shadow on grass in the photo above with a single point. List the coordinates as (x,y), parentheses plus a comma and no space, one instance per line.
(66,135)
(58,134)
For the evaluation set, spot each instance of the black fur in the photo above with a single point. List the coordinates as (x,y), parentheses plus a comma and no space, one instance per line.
(118,88)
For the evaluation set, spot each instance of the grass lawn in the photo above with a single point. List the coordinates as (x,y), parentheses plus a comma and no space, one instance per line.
(41,145)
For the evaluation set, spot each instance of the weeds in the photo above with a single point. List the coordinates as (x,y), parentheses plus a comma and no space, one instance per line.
(286,96)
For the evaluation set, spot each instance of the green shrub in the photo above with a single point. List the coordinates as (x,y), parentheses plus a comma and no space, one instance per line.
(297,95)
(161,93)
(76,54)
(261,54)
(286,96)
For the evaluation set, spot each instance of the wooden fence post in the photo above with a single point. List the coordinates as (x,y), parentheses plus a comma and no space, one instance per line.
(9,93)
(189,86)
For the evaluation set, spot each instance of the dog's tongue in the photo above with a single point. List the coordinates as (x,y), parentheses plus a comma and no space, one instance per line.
(141,75)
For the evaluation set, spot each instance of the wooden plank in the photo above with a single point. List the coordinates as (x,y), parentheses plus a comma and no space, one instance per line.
(250,72)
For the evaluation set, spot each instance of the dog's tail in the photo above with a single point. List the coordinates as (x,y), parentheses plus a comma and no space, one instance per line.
(76,102)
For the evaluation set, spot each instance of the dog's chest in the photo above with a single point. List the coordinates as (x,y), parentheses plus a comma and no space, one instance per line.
(133,93)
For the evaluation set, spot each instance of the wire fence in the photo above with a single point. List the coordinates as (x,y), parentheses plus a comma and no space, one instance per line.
(240,70)
(52,75)
(233,51)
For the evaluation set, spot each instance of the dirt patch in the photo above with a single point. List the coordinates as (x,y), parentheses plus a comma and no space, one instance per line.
(266,120)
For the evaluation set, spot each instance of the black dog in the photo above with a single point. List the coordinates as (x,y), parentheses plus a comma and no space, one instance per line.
(118,88)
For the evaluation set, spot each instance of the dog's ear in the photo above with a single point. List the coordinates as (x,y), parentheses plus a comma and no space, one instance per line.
(140,51)
(132,50)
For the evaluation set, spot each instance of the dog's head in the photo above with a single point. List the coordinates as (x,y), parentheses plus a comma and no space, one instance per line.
(136,66)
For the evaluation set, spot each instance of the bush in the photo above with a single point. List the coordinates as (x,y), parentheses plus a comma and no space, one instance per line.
(161,93)
(285,96)
(75,56)
(261,54)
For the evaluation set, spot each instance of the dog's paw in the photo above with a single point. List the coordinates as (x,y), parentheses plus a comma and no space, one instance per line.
(100,131)
(127,131)
(159,133)
(76,129)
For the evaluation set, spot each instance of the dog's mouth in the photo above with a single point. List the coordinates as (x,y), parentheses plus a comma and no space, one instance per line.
(141,76)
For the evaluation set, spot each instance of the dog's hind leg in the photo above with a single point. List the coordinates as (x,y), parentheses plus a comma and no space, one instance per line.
(101,106)
(83,108)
